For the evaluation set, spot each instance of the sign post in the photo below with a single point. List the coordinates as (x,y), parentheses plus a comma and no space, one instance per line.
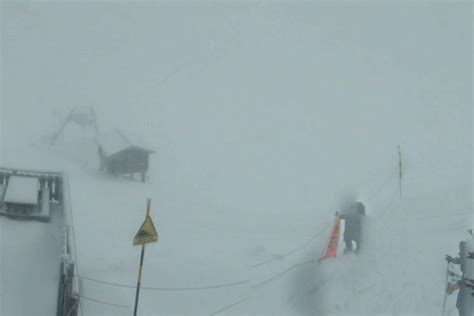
(146,234)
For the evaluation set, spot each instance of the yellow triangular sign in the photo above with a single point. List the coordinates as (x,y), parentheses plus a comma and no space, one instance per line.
(146,234)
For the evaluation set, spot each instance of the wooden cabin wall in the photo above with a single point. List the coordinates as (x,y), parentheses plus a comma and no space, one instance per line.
(128,161)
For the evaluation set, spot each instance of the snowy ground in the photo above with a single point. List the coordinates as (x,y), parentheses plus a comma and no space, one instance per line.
(264,116)
(30,259)
(400,271)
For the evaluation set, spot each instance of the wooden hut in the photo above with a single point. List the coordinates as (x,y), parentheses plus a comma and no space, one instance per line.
(120,156)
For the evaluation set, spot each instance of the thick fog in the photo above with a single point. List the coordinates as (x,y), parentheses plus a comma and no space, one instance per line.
(266,119)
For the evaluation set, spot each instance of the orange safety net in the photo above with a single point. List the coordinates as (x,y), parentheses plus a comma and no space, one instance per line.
(331,250)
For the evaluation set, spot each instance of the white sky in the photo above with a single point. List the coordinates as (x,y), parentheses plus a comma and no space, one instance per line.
(253,92)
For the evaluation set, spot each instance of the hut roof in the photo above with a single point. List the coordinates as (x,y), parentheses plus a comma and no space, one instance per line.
(115,141)
(22,190)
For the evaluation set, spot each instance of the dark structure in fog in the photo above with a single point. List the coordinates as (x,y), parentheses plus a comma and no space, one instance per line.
(120,156)
(81,115)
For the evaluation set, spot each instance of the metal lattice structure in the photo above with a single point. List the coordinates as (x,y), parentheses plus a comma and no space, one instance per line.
(83,116)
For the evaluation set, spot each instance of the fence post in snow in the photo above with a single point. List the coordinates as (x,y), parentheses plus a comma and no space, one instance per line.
(400,170)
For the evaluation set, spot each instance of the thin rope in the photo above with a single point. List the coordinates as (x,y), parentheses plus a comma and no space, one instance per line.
(383,185)
(229,306)
(283,272)
(166,288)
(296,249)
(103,302)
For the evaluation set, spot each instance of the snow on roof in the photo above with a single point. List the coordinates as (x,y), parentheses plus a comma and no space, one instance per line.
(22,190)
(115,141)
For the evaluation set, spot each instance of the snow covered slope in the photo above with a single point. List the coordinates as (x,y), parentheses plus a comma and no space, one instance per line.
(264,117)
(400,270)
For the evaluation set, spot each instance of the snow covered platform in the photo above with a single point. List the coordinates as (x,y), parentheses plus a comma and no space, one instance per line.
(24,198)
(22,190)
(31,265)
(37,265)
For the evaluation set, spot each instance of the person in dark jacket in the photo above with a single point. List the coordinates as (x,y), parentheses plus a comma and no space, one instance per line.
(353,226)
(463,300)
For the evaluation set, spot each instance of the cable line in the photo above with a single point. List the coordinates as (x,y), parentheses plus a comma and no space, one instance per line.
(296,249)
(383,185)
(229,306)
(102,302)
(283,272)
(209,287)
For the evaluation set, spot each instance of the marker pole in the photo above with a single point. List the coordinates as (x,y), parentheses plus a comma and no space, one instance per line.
(139,280)
(400,173)
(445,290)
(141,265)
